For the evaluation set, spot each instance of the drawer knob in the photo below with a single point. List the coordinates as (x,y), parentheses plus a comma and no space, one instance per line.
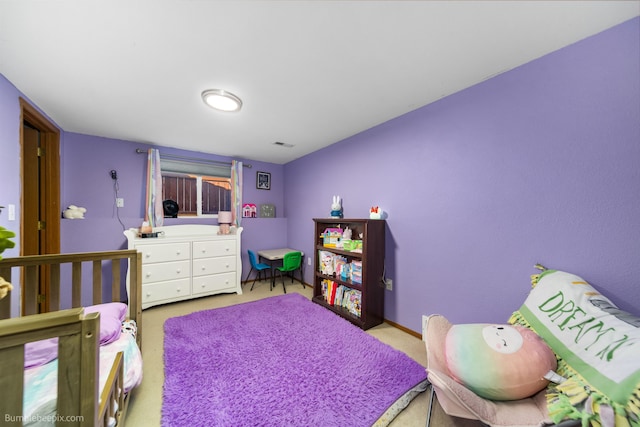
(204,268)
(227,265)
(148,274)
(178,271)
(148,294)
(177,289)
(178,252)
(147,255)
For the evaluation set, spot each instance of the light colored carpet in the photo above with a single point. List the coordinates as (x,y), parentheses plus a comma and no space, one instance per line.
(146,403)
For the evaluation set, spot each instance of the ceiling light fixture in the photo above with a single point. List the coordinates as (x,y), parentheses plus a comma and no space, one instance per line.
(222,100)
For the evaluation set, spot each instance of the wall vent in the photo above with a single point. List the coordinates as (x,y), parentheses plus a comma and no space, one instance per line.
(283,144)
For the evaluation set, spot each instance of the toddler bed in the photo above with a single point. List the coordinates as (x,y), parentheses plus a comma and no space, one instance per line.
(75,366)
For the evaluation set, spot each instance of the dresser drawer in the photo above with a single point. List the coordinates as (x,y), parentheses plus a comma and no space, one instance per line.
(165,271)
(205,266)
(212,248)
(164,252)
(214,282)
(172,289)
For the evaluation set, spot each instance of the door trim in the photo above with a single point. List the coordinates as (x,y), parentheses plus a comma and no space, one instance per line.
(50,141)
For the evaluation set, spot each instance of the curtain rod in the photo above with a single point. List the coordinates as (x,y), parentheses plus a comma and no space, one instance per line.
(192,159)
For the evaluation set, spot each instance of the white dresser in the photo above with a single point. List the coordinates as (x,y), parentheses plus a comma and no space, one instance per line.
(187,261)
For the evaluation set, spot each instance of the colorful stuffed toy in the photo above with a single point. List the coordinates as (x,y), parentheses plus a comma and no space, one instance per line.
(498,362)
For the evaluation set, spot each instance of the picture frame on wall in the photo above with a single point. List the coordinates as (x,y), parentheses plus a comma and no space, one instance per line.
(263,180)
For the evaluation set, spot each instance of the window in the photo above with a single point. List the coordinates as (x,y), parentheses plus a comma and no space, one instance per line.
(198,189)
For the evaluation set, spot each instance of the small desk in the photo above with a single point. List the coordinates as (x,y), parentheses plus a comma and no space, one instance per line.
(273,256)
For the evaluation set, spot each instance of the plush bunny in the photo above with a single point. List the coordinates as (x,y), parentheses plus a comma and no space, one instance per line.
(74,212)
(336,207)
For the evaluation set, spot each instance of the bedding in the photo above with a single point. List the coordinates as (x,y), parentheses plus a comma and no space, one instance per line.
(597,346)
(112,314)
(40,382)
(84,331)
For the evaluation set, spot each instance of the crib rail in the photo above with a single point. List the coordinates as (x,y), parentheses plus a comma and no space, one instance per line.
(77,373)
(31,266)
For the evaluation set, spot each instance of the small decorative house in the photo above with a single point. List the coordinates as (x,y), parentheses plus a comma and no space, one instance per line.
(249,210)
(332,237)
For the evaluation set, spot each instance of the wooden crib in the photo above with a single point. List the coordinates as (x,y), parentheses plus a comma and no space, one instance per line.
(79,402)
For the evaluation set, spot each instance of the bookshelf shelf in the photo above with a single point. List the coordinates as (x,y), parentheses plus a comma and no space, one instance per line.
(360,303)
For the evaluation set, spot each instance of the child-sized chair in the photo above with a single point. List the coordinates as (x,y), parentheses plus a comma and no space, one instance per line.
(258,267)
(291,262)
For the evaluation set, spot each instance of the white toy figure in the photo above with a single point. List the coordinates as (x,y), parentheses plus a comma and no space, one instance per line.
(346,234)
(74,212)
(377,213)
(336,207)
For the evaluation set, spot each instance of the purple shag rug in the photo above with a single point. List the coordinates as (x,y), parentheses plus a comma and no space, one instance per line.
(280,361)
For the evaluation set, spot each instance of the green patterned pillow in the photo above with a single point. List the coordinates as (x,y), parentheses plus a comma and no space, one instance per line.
(598,350)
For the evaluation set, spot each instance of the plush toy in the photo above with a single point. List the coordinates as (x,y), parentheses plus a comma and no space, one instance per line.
(74,212)
(346,234)
(498,362)
(336,207)
(377,213)
(5,287)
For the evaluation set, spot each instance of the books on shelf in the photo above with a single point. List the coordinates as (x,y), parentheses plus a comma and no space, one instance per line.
(356,271)
(342,296)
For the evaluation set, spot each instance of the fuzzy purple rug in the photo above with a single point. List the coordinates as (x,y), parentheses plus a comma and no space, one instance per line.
(280,361)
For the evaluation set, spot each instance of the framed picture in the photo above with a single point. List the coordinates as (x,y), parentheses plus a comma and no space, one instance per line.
(263,181)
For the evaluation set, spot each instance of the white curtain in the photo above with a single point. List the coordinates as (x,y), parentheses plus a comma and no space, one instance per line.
(154,213)
(236,192)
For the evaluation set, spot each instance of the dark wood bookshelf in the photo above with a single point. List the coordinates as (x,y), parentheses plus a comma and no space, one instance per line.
(372,257)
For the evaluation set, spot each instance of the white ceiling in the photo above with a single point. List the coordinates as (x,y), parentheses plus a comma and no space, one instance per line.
(310,73)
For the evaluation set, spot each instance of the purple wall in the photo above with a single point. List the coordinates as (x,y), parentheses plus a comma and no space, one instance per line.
(539,164)
(86,182)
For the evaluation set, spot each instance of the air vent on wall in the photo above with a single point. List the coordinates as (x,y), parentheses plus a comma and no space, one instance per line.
(283,144)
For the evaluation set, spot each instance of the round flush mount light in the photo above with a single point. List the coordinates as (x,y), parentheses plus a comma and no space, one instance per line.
(222,100)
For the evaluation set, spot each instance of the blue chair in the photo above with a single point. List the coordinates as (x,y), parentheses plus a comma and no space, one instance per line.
(258,267)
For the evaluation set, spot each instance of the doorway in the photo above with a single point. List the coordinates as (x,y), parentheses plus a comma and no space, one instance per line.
(40,198)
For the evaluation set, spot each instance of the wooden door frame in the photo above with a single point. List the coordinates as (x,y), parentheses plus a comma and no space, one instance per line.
(50,141)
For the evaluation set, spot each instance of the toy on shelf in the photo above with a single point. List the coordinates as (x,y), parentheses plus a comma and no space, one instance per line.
(331,238)
(336,207)
(377,213)
(249,210)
